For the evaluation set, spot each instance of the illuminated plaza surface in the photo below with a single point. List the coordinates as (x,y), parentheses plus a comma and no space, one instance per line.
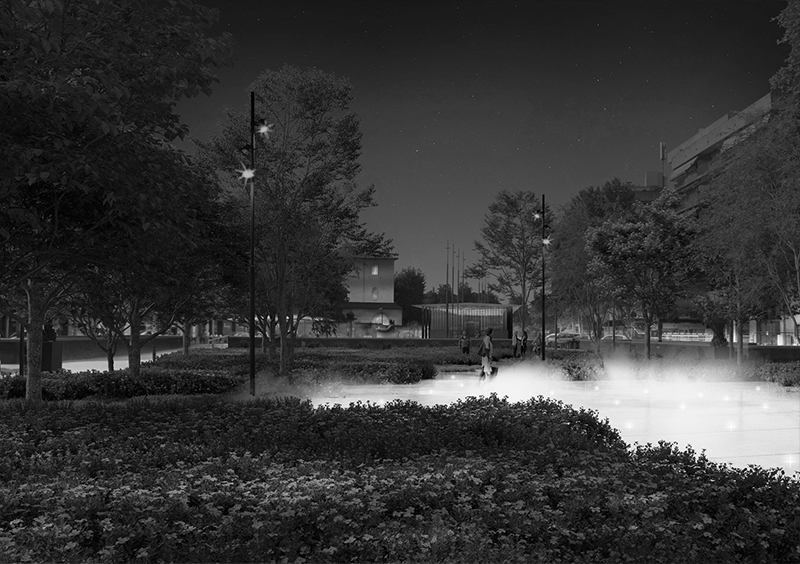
(740,423)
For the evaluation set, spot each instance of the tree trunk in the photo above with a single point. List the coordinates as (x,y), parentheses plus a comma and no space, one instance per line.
(36,314)
(660,330)
(648,324)
(730,344)
(135,347)
(111,349)
(740,344)
(187,337)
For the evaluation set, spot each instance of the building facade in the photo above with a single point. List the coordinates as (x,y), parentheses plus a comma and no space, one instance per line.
(692,161)
(370,310)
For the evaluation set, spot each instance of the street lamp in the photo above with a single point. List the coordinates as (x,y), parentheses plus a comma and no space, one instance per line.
(545,243)
(249,174)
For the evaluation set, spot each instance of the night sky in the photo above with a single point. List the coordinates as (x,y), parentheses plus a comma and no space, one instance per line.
(459,100)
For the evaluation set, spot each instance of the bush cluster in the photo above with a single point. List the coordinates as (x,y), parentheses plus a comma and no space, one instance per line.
(784,373)
(483,480)
(577,364)
(120,384)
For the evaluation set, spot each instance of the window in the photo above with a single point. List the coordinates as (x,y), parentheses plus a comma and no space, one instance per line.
(374,269)
(375,294)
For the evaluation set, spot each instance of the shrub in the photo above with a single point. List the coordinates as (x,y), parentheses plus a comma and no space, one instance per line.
(119,384)
(784,373)
(577,364)
(484,480)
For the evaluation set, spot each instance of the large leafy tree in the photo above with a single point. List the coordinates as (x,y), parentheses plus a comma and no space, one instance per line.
(307,202)
(573,282)
(511,249)
(87,95)
(751,221)
(645,256)
(409,289)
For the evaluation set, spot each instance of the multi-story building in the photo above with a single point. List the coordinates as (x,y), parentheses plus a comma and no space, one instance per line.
(370,309)
(692,160)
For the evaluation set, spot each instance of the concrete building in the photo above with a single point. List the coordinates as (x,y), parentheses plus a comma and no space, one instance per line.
(692,161)
(370,309)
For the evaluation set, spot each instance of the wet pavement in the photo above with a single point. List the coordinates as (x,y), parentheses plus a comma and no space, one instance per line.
(740,423)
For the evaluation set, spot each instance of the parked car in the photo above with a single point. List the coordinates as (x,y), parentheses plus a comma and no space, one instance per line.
(563,337)
(620,337)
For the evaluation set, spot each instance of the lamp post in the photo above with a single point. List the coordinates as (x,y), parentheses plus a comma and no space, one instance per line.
(249,174)
(545,242)
(252,246)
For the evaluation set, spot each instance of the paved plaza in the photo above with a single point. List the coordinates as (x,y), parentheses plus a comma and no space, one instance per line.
(740,423)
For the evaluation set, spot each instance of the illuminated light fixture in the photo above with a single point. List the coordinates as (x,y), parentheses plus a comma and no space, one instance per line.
(265,129)
(247,173)
(546,241)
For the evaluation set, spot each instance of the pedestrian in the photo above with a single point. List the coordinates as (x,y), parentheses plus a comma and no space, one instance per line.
(524,343)
(486,352)
(515,345)
(463,343)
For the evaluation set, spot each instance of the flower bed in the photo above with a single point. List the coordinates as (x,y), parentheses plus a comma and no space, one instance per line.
(482,480)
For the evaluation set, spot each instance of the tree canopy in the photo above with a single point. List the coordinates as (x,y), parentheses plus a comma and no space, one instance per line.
(645,256)
(511,249)
(307,202)
(87,97)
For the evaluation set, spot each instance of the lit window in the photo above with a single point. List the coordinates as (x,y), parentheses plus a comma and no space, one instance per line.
(375,294)
(374,269)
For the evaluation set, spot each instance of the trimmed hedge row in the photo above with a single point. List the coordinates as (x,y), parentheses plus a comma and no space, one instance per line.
(784,373)
(153,380)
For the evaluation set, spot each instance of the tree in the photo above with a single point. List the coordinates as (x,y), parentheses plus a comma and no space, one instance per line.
(645,256)
(786,80)
(87,96)
(572,281)
(307,201)
(750,221)
(511,249)
(409,289)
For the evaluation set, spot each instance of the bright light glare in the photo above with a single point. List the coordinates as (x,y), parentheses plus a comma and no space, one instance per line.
(265,129)
(546,241)
(247,173)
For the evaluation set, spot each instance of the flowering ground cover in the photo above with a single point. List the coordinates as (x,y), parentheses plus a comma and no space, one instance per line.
(482,480)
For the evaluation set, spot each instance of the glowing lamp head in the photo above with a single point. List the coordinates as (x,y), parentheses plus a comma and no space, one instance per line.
(537,216)
(265,129)
(247,173)
(546,241)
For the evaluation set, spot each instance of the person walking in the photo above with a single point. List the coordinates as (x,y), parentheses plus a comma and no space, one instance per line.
(524,347)
(515,345)
(463,343)
(486,352)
